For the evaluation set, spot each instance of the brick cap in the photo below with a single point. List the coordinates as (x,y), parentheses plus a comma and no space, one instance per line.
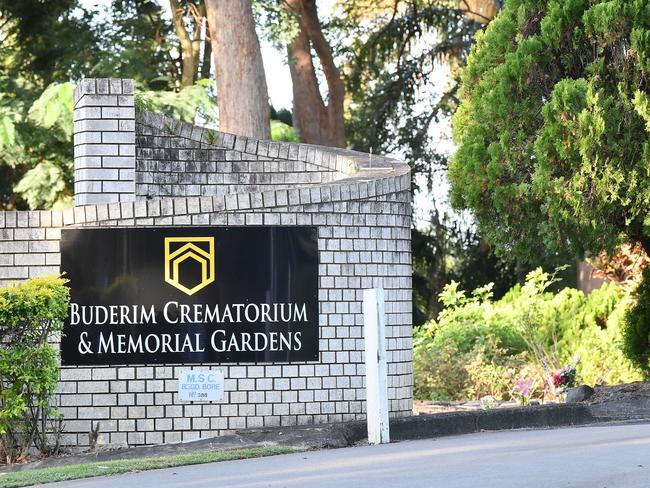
(103,86)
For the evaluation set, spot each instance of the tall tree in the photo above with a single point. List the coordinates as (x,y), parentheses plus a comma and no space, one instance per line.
(188,19)
(242,93)
(315,120)
(39,54)
(396,52)
(137,41)
(554,135)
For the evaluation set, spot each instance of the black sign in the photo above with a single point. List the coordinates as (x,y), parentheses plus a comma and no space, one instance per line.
(190,295)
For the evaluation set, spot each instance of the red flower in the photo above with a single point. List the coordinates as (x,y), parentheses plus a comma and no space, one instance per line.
(557,379)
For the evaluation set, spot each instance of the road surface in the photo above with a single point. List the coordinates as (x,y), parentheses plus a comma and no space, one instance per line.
(591,457)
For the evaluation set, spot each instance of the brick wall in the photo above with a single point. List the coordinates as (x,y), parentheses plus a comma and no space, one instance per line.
(170,162)
(362,211)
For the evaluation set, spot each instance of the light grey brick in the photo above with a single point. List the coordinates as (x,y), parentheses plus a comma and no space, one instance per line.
(118,112)
(127,137)
(101,174)
(97,125)
(117,186)
(14,272)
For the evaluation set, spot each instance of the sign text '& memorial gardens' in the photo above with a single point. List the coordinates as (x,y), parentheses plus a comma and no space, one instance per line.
(199,295)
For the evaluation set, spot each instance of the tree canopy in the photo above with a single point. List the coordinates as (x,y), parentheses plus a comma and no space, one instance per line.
(370,70)
(553,131)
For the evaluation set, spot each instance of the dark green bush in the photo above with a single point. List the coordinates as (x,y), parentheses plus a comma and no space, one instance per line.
(636,331)
(31,314)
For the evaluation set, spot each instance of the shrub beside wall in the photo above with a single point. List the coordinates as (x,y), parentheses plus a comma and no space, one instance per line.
(31,315)
(480,346)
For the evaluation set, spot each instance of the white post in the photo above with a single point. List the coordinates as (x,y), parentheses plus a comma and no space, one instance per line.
(376,369)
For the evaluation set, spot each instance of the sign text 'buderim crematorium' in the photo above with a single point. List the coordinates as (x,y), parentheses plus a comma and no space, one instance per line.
(190,295)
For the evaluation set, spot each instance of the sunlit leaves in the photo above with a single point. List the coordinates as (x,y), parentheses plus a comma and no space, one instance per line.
(283,132)
(44,186)
(53,109)
(7,130)
(554,129)
(186,105)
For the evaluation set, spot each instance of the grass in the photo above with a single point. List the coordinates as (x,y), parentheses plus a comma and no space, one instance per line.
(87,470)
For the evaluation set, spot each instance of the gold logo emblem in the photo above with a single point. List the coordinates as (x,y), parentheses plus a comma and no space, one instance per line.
(179,250)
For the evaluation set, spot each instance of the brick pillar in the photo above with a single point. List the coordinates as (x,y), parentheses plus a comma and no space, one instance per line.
(104,141)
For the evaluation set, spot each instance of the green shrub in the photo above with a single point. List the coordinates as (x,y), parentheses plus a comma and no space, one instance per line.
(636,332)
(439,372)
(470,321)
(480,346)
(283,132)
(601,353)
(31,313)
(445,373)
(594,336)
(492,371)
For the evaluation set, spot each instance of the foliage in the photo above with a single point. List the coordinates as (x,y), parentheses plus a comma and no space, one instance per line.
(40,143)
(283,115)
(448,252)
(553,127)
(283,132)
(136,41)
(39,55)
(394,52)
(439,372)
(625,266)
(470,321)
(280,25)
(443,372)
(40,42)
(44,147)
(553,135)
(39,148)
(31,313)
(53,109)
(481,346)
(190,103)
(636,332)
(491,370)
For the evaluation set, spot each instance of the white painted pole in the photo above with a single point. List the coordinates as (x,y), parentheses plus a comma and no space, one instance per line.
(376,369)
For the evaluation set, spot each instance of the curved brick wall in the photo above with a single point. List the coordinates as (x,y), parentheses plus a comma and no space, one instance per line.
(154,171)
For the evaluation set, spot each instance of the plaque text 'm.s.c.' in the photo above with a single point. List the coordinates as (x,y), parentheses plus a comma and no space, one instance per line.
(190,295)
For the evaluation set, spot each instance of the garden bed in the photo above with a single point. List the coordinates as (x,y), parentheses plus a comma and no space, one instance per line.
(628,401)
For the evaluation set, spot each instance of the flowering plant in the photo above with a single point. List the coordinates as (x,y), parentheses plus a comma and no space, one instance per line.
(488,402)
(563,379)
(524,387)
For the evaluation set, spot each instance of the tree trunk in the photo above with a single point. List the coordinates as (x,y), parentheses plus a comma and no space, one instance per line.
(207,58)
(189,45)
(481,11)
(242,94)
(315,121)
